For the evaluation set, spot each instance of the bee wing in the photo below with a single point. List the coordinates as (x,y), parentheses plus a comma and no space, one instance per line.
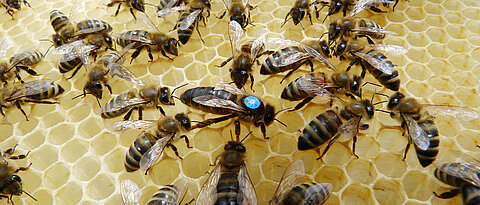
(88,31)
(391,49)
(318,56)
(29,88)
(75,49)
(291,59)
(416,133)
(315,85)
(5,44)
(374,30)
(207,194)
(212,101)
(227,3)
(467,172)
(153,154)
(165,11)
(77,7)
(314,197)
(188,21)
(360,6)
(130,192)
(229,88)
(122,72)
(132,38)
(349,129)
(235,32)
(131,124)
(120,104)
(182,187)
(258,44)
(462,113)
(289,178)
(247,194)
(375,63)
(17,58)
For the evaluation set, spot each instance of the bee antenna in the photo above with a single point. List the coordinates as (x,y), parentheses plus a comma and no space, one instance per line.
(82,94)
(384,111)
(231,135)
(282,110)
(322,36)
(286,20)
(373,96)
(245,136)
(98,102)
(46,39)
(380,102)
(384,95)
(173,96)
(47,50)
(28,195)
(173,91)
(282,123)
(301,24)
(325,18)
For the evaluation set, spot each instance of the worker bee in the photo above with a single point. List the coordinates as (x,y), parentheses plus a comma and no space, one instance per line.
(229,182)
(11,183)
(166,7)
(148,96)
(353,27)
(23,60)
(334,6)
(152,41)
(138,5)
(63,27)
(33,91)
(225,99)
(169,194)
(294,55)
(416,119)
(361,5)
(148,146)
(372,60)
(331,124)
(190,18)
(300,8)
(13,4)
(237,9)
(294,188)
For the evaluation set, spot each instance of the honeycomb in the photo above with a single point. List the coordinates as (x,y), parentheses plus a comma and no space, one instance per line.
(76,160)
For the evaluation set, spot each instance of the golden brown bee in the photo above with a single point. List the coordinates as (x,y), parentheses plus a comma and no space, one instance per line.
(225,99)
(354,27)
(298,11)
(152,41)
(463,177)
(63,27)
(33,91)
(148,146)
(13,4)
(10,182)
(294,188)
(229,182)
(138,5)
(166,195)
(237,9)
(190,18)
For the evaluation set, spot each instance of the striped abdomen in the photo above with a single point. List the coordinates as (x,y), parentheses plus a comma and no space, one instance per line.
(443,175)
(278,57)
(124,38)
(470,195)
(228,187)
(49,90)
(65,66)
(93,23)
(115,102)
(61,24)
(141,145)
(184,35)
(296,90)
(317,194)
(29,58)
(166,195)
(108,58)
(321,129)
(188,96)
(371,24)
(390,81)
(426,157)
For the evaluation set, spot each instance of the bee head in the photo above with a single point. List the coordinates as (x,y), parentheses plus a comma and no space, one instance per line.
(57,40)
(139,5)
(297,15)
(368,108)
(334,7)
(12,186)
(15,4)
(184,120)
(239,77)
(334,31)
(171,46)
(236,146)
(207,3)
(356,86)
(165,96)
(394,100)
(325,48)
(109,41)
(342,46)
(94,88)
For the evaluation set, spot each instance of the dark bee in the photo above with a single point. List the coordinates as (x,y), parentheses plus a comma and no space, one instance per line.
(372,60)
(138,5)
(10,183)
(190,18)
(148,146)
(226,99)
(33,91)
(293,56)
(353,27)
(229,182)
(237,9)
(298,11)
(295,189)
(13,4)
(330,125)
(63,27)
(152,41)
(463,177)
(334,6)
(166,195)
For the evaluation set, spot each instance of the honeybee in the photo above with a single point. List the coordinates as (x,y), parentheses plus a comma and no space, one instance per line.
(11,183)
(33,91)
(237,9)
(63,27)
(23,60)
(168,195)
(148,96)
(148,146)
(420,124)
(354,27)
(298,11)
(166,7)
(334,6)
(331,124)
(229,182)
(372,59)
(294,188)
(155,41)
(138,5)
(294,55)
(190,18)
(225,99)
(361,5)
(13,4)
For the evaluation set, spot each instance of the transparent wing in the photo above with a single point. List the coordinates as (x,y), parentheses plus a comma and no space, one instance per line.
(318,56)
(153,154)
(136,38)
(89,31)
(467,172)
(349,129)
(391,49)
(289,178)
(245,2)
(259,44)
(170,8)
(375,63)
(462,113)
(229,87)
(187,22)
(26,89)
(416,133)
(131,124)
(373,30)
(5,44)
(77,7)
(235,32)
(121,104)
(182,187)
(212,101)
(360,6)
(122,53)
(207,194)
(130,192)
(75,49)
(122,72)
(313,195)
(247,190)
(315,85)
(17,58)
(227,3)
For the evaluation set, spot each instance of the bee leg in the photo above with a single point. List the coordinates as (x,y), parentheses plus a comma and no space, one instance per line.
(377,10)
(288,74)
(448,194)
(303,103)
(345,10)
(198,31)
(353,146)
(164,54)
(352,63)
(140,113)
(26,3)
(21,109)
(7,153)
(186,141)
(237,129)
(133,14)
(263,129)
(23,168)
(310,17)
(77,68)
(329,145)
(221,16)
(286,18)
(406,149)
(136,53)
(161,110)
(396,2)
(225,62)
(108,87)
(118,8)
(362,75)
(40,102)
(19,78)
(28,70)
(213,121)
(174,150)
(127,116)
(149,51)
(20,156)
(252,80)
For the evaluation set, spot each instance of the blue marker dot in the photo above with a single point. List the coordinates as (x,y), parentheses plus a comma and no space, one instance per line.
(252,102)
